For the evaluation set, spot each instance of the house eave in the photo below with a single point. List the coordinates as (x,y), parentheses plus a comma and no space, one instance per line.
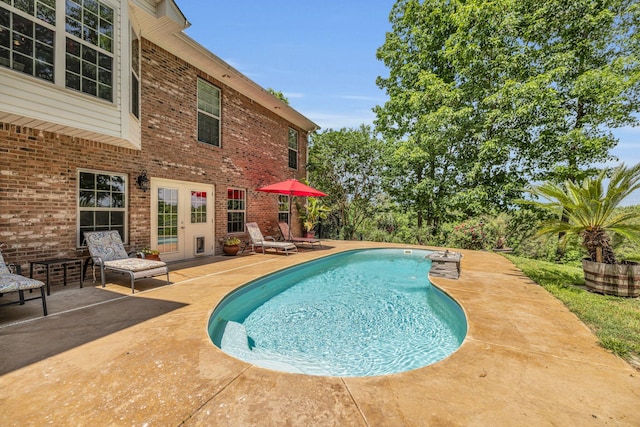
(70,129)
(165,28)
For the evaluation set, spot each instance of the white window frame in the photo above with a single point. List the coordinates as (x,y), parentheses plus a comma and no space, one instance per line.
(211,108)
(40,47)
(293,145)
(108,44)
(82,209)
(235,210)
(86,63)
(134,98)
(283,208)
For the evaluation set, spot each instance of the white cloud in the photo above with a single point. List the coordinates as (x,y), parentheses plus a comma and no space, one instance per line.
(361,98)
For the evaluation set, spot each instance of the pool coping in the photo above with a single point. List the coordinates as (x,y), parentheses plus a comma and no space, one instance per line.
(147,359)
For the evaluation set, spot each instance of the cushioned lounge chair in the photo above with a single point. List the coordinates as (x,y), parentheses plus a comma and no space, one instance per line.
(107,251)
(257,239)
(288,237)
(10,282)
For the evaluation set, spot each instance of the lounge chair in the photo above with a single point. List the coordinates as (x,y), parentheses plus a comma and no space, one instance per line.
(257,239)
(288,237)
(107,251)
(10,282)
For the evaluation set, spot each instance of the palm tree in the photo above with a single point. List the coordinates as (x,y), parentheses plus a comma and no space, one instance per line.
(591,210)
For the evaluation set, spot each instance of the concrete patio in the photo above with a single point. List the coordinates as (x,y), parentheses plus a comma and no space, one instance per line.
(106,357)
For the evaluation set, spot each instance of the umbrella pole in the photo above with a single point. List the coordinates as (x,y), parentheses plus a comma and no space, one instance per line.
(289,218)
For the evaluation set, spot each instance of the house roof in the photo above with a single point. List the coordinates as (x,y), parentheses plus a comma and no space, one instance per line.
(165,27)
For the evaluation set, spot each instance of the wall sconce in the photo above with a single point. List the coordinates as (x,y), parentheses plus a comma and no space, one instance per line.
(143,181)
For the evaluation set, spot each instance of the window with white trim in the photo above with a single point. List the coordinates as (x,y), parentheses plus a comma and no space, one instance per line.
(89,47)
(236,210)
(31,38)
(293,148)
(198,207)
(102,203)
(283,208)
(208,113)
(27,36)
(135,75)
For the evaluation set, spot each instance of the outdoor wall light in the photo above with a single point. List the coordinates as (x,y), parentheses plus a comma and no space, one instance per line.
(143,181)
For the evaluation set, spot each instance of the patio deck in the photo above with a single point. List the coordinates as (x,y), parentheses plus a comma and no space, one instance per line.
(106,357)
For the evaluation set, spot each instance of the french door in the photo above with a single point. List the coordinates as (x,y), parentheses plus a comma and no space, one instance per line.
(182,219)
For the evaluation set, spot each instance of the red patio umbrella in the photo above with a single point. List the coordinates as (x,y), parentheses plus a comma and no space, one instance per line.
(292,187)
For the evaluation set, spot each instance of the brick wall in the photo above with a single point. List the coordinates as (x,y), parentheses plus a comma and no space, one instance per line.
(38,170)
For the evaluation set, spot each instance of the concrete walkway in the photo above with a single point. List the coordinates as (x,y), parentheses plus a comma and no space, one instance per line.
(146,360)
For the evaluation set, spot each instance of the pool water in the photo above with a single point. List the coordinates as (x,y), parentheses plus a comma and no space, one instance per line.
(359,313)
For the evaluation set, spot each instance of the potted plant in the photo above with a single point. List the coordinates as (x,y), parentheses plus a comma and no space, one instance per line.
(589,211)
(231,246)
(312,212)
(148,253)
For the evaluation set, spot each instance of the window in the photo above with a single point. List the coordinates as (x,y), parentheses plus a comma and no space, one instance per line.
(235,210)
(27,34)
(135,75)
(208,113)
(101,203)
(167,219)
(198,207)
(28,42)
(283,208)
(89,48)
(293,148)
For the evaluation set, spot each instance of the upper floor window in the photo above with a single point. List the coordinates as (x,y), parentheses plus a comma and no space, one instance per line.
(101,203)
(135,75)
(27,35)
(208,113)
(31,38)
(293,148)
(89,48)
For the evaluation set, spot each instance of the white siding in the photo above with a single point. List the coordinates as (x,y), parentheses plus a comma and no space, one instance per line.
(43,105)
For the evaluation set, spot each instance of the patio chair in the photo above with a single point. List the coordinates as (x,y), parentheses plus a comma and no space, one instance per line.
(107,251)
(288,237)
(10,282)
(257,239)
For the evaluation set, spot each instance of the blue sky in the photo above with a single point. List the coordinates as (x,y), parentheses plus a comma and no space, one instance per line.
(320,54)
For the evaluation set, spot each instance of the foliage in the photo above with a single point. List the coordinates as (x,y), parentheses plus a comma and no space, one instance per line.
(231,241)
(278,95)
(487,96)
(149,251)
(590,211)
(614,320)
(469,235)
(347,165)
(312,212)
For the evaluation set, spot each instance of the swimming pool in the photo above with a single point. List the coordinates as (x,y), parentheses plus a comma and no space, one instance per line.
(357,313)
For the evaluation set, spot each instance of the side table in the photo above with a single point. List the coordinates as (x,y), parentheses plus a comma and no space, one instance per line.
(56,261)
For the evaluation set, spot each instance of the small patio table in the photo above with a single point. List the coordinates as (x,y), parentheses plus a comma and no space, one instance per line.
(56,261)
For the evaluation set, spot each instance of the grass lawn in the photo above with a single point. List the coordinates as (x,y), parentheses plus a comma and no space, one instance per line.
(614,320)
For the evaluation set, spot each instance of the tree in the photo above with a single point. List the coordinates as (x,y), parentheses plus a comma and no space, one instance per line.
(278,95)
(591,210)
(487,96)
(346,164)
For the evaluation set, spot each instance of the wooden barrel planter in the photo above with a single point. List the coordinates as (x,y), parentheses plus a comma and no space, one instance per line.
(621,280)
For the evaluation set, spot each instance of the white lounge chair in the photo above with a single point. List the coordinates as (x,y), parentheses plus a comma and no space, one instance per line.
(288,237)
(257,239)
(10,282)
(107,251)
